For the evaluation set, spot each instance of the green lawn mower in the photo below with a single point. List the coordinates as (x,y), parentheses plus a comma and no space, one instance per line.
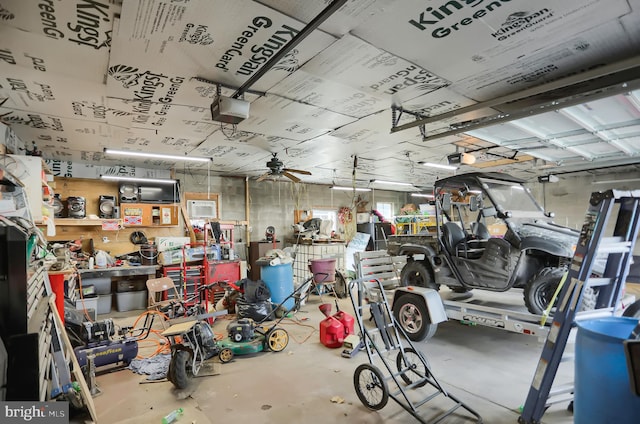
(246,337)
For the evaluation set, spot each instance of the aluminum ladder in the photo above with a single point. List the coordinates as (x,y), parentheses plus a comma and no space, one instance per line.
(611,258)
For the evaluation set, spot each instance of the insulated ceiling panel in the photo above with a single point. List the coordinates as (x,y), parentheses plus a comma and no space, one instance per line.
(470,38)
(78,76)
(285,118)
(222,41)
(42,54)
(341,22)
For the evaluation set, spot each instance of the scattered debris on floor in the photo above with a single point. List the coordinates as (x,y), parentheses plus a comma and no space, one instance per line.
(337,399)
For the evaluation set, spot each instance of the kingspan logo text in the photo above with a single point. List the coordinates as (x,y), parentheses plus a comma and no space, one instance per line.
(432,18)
(519,21)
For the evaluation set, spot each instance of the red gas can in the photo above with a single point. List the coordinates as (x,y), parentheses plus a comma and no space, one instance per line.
(346,320)
(332,332)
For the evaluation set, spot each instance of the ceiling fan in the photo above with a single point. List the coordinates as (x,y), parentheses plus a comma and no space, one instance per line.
(276,168)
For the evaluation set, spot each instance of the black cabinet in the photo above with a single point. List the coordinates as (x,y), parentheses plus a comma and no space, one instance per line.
(379,232)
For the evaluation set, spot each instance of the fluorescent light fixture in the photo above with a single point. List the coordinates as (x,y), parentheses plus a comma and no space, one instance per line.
(439,165)
(428,196)
(155,155)
(627,180)
(349,188)
(392,183)
(138,179)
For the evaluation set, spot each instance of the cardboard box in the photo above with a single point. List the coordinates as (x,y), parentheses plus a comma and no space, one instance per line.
(171,243)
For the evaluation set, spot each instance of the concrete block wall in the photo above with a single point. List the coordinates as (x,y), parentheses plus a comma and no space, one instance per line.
(273,202)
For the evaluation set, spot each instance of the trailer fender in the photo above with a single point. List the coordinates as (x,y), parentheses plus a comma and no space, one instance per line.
(432,300)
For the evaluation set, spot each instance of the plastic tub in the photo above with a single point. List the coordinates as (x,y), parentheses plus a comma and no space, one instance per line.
(602,391)
(104,303)
(130,301)
(279,279)
(102,284)
(320,267)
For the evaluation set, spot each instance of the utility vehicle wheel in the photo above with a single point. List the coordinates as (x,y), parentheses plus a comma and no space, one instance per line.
(411,313)
(413,367)
(340,285)
(632,310)
(225,355)
(416,274)
(181,368)
(540,289)
(371,387)
(277,340)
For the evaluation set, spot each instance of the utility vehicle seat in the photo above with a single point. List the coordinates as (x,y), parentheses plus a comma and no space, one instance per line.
(452,235)
(480,230)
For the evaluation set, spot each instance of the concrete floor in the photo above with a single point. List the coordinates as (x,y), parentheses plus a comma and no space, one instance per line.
(489,369)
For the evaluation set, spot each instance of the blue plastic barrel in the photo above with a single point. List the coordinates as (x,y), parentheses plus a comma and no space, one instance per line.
(279,279)
(602,391)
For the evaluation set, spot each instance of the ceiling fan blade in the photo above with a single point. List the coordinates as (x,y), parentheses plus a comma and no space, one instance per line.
(297,171)
(263,176)
(291,177)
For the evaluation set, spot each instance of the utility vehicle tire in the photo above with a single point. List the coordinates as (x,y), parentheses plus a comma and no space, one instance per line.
(416,274)
(412,315)
(632,310)
(181,369)
(371,387)
(540,289)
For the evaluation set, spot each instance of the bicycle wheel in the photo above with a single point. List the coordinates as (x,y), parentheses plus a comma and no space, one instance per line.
(371,387)
(412,366)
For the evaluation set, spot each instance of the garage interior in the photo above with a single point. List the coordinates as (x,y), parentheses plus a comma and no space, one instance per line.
(266,135)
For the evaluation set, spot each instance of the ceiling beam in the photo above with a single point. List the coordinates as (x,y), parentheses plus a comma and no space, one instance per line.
(308,29)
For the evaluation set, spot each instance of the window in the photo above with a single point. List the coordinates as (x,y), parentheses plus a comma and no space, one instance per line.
(327,214)
(386,209)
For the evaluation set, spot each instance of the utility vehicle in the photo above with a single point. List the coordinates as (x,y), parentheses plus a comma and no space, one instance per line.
(489,233)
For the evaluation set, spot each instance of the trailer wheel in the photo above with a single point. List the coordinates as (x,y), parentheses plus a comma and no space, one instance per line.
(412,315)
(417,274)
(371,387)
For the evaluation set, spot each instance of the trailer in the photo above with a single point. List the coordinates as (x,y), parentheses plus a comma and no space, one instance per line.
(419,310)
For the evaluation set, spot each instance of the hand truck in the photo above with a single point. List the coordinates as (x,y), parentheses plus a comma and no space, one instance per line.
(406,371)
